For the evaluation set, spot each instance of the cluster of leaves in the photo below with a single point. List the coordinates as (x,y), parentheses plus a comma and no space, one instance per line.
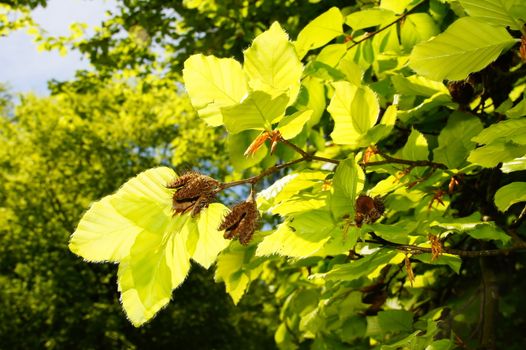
(57,155)
(367,112)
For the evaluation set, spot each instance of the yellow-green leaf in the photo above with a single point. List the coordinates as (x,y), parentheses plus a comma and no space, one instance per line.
(320,31)
(467,46)
(510,194)
(103,234)
(213,83)
(272,65)
(211,241)
(258,111)
(291,125)
(354,110)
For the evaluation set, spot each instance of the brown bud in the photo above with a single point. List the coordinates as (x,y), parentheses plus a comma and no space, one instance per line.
(194,192)
(241,222)
(522,49)
(461,91)
(367,209)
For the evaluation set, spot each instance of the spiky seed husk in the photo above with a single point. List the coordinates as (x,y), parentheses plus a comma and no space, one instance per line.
(241,222)
(195,187)
(368,210)
(182,180)
(202,202)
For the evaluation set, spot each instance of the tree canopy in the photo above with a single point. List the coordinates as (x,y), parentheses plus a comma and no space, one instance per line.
(360,168)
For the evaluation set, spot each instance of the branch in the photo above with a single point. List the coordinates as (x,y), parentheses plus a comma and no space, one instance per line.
(412,163)
(413,249)
(306,155)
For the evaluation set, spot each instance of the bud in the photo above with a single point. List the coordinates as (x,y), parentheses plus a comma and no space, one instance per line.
(241,222)
(194,191)
(461,91)
(522,49)
(368,210)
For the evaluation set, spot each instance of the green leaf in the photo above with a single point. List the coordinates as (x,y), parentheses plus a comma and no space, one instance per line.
(496,152)
(510,194)
(287,187)
(518,111)
(135,310)
(395,321)
(516,164)
(416,147)
(417,27)
(232,269)
(258,111)
(290,126)
(316,94)
(109,228)
(271,63)
(454,141)
(213,83)
(103,234)
(417,85)
(320,31)
(359,268)
(211,241)
(397,6)
(354,110)
(453,261)
(302,235)
(369,18)
(489,232)
(236,146)
(509,130)
(348,182)
(467,46)
(494,12)
(157,264)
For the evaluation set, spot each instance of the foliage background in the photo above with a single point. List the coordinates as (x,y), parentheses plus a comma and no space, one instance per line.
(60,153)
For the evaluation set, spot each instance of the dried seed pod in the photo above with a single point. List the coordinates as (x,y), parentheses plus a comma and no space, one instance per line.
(195,186)
(241,222)
(368,210)
(182,180)
(461,91)
(194,192)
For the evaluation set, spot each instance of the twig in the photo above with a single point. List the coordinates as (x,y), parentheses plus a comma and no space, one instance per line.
(372,34)
(307,155)
(413,249)
(412,163)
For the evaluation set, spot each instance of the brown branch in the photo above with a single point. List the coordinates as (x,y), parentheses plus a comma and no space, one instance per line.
(307,155)
(412,163)
(413,249)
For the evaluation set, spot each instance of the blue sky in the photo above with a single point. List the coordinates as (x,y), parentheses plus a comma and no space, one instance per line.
(26,69)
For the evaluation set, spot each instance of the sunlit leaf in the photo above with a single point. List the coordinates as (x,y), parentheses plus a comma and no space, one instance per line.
(320,31)
(301,236)
(291,125)
(495,12)
(467,46)
(369,18)
(258,111)
(354,110)
(271,63)
(211,241)
(454,141)
(213,83)
(510,194)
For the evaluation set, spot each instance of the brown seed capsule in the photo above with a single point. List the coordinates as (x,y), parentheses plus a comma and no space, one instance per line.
(241,222)
(461,91)
(194,192)
(368,210)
